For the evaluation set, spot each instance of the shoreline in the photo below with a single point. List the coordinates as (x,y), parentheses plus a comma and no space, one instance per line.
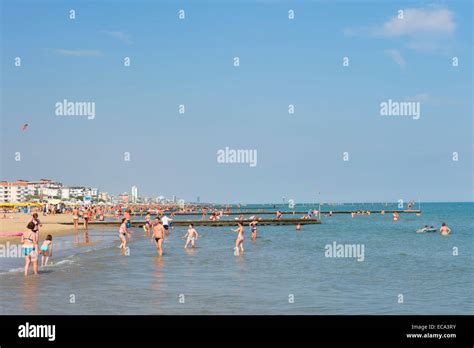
(51,224)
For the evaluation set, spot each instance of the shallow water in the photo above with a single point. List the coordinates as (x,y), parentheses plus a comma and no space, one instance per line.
(281,265)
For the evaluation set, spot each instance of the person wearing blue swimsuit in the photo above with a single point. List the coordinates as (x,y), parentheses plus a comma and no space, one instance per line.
(30,246)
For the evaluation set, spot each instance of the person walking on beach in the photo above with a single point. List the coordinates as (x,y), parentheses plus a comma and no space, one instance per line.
(253,228)
(46,250)
(191,236)
(444,230)
(278,214)
(29,241)
(158,235)
(75,217)
(123,234)
(239,242)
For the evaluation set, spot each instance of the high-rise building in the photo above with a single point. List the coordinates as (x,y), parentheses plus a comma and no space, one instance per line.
(134,194)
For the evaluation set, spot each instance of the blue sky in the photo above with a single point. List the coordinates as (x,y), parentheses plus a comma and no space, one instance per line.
(282,62)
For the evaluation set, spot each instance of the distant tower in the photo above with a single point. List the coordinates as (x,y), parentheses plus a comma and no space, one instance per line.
(198,199)
(174,199)
(134,194)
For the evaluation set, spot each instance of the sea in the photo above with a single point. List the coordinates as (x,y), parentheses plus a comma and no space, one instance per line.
(394,271)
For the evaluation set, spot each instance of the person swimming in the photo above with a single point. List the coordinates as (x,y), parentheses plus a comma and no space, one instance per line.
(46,250)
(29,241)
(298,227)
(239,242)
(444,230)
(191,236)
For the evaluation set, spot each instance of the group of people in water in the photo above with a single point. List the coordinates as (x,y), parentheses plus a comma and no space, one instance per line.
(30,242)
(157,229)
(160,227)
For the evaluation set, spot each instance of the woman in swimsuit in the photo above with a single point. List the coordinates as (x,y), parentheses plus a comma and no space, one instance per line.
(158,235)
(75,217)
(30,246)
(86,216)
(46,250)
(239,242)
(123,234)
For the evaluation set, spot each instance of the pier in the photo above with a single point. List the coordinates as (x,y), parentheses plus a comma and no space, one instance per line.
(390,211)
(262,222)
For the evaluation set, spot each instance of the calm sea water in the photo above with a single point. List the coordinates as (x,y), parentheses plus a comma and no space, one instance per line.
(280,266)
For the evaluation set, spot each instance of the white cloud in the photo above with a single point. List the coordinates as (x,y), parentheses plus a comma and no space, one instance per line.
(416,22)
(125,38)
(396,56)
(427,30)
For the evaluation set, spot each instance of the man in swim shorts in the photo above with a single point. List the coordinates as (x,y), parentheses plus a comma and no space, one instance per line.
(191,236)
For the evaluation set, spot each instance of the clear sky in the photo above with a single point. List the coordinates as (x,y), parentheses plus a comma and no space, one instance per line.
(282,62)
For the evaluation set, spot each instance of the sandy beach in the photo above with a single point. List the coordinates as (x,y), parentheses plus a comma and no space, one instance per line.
(16,222)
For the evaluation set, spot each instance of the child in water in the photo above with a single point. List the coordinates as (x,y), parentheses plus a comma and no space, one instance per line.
(46,250)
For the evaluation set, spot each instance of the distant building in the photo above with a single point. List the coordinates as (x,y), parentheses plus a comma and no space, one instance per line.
(14,191)
(134,194)
(65,193)
(104,196)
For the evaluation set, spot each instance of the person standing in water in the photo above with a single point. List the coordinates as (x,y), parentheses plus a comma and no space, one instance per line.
(239,242)
(191,236)
(75,217)
(29,241)
(46,250)
(166,224)
(158,235)
(444,230)
(253,228)
(395,216)
(147,224)
(123,234)
(127,215)
(86,216)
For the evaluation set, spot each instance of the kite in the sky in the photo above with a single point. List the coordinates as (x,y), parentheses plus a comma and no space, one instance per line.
(24,127)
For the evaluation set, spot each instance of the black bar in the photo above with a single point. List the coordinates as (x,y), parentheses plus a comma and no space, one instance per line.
(290,331)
